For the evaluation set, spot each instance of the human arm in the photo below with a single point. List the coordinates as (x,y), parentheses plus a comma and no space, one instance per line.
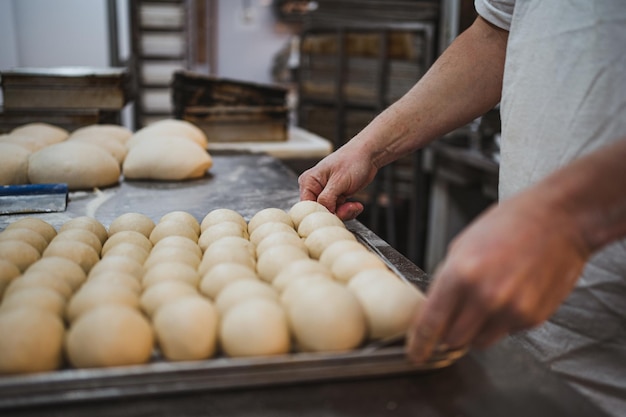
(512,267)
(465,82)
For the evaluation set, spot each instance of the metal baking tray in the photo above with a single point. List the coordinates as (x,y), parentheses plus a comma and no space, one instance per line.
(160,376)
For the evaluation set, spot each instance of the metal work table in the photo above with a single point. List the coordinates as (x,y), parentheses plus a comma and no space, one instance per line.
(501,381)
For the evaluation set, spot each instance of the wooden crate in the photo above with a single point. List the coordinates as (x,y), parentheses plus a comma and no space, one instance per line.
(66,88)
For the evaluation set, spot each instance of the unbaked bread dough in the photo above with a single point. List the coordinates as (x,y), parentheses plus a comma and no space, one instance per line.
(166,158)
(179,242)
(8,272)
(271,214)
(79,252)
(42,227)
(218,231)
(255,327)
(222,275)
(222,215)
(326,317)
(242,290)
(349,264)
(218,254)
(28,143)
(269,228)
(172,228)
(80,235)
(336,249)
(171,271)
(89,223)
(302,209)
(81,165)
(19,253)
(118,278)
(299,268)
(136,222)
(236,241)
(317,220)
(116,132)
(388,302)
(31,340)
(118,263)
(97,293)
(63,268)
(109,335)
(25,235)
(47,132)
(127,236)
(35,297)
(322,238)
(169,127)
(13,164)
(280,238)
(277,258)
(40,279)
(186,328)
(302,283)
(183,216)
(171,254)
(163,292)
(115,148)
(130,250)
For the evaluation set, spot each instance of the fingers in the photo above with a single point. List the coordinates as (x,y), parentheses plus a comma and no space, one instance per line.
(349,210)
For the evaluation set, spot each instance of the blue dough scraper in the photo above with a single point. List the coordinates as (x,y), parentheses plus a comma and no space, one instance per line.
(33,198)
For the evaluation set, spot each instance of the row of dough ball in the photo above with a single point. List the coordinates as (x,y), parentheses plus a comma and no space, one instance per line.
(96,155)
(223,297)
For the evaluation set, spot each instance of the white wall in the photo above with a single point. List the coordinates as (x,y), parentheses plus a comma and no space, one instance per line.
(246,48)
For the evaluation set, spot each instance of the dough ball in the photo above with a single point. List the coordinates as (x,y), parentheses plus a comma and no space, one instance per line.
(183,216)
(63,268)
(94,294)
(338,248)
(280,238)
(172,254)
(255,327)
(322,238)
(302,283)
(238,242)
(388,302)
(275,259)
(170,127)
(218,254)
(31,340)
(296,269)
(81,253)
(116,132)
(40,279)
(109,335)
(80,235)
(179,242)
(303,208)
(222,215)
(267,229)
(27,143)
(242,290)
(40,226)
(218,231)
(171,271)
(172,228)
(166,158)
(130,250)
(118,263)
(23,234)
(135,222)
(127,236)
(50,134)
(117,278)
(116,149)
(19,253)
(160,293)
(222,275)
(8,272)
(88,223)
(269,215)
(349,264)
(80,165)
(326,317)
(13,164)
(186,328)
(317,220)
(35,297)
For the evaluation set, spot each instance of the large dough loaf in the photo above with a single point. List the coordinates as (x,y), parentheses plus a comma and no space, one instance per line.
(169,127)
(166,158)
(80,165)
(13,164)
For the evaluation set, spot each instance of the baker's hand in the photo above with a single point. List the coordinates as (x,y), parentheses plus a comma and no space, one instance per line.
(508,271)
(335,179)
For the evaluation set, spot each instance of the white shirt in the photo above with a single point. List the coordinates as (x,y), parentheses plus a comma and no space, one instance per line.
(564,95)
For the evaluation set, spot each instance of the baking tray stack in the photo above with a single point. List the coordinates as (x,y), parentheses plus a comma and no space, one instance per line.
(230,110)
(68,97)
